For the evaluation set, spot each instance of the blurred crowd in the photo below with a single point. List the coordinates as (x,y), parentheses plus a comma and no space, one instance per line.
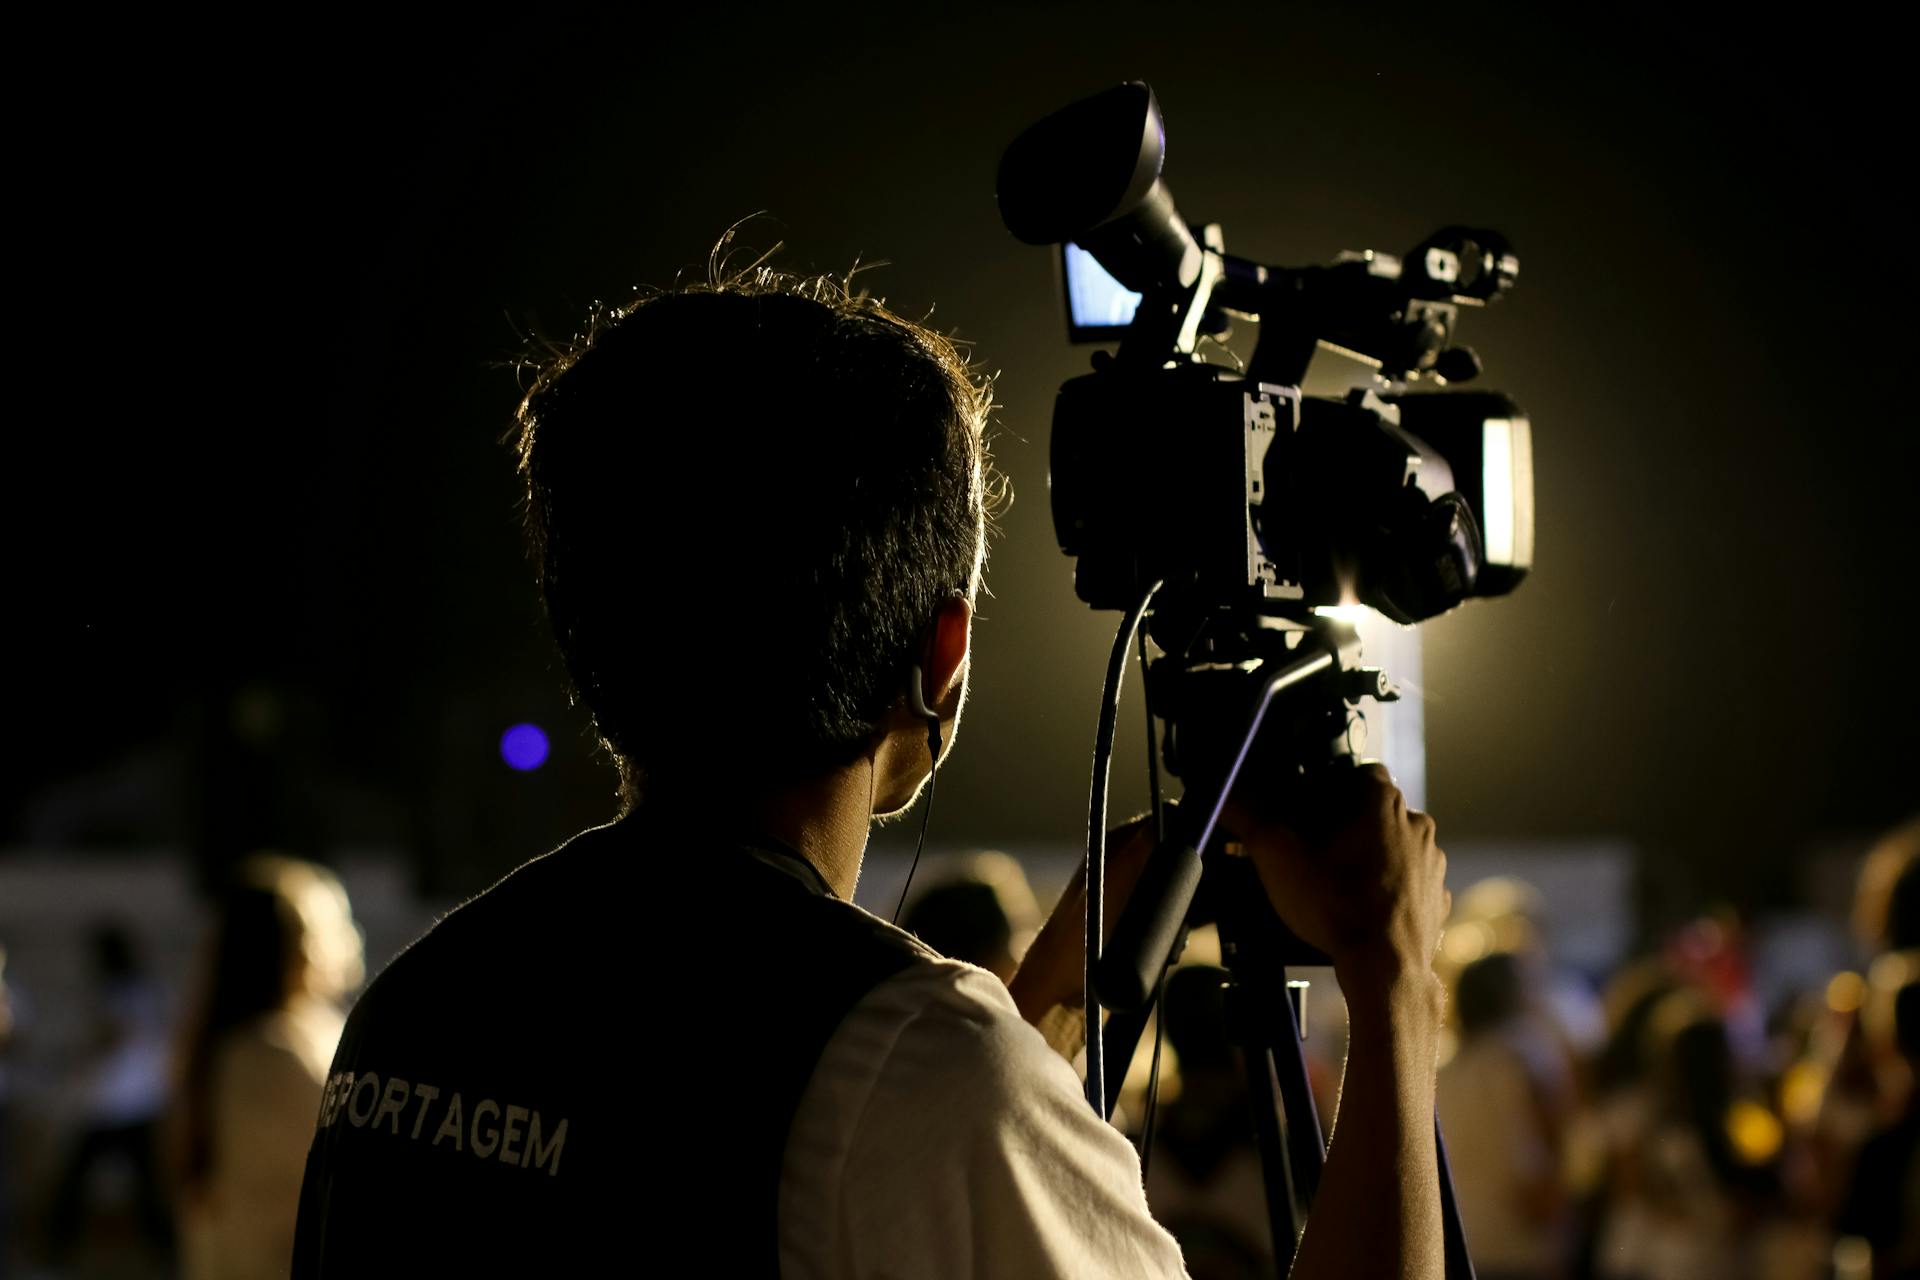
(1658,1123)
(191,1111)
(1701,1135)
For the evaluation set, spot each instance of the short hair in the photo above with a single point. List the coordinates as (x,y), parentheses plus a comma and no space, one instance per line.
(745,500)
(1489,993)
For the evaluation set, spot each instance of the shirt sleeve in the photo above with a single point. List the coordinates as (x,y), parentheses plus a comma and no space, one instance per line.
(940,1137)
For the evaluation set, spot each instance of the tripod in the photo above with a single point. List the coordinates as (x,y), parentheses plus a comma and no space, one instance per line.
(1301,687)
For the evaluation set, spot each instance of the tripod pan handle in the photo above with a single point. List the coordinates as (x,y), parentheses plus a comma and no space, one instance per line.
(1143,938)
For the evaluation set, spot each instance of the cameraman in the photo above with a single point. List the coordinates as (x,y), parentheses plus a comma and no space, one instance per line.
(758,508)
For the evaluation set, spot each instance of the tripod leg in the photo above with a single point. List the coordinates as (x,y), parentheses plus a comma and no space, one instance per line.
(1257,949)
(1279,1097)
(1286,1204)
(1286,1119)
(1459,1264)
(1306,1140)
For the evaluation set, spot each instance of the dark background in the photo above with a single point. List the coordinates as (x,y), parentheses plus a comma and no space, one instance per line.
(268,586)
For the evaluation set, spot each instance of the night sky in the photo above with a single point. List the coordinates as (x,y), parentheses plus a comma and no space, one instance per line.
(262,371)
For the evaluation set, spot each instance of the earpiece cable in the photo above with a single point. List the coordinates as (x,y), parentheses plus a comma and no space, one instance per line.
(926,814)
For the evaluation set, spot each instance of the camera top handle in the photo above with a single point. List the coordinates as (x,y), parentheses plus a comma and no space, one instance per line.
(1090,174)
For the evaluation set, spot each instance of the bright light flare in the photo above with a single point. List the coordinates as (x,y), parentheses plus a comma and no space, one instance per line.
(1349,610)
(1754,1132)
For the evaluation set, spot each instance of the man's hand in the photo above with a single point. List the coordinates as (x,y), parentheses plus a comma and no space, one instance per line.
(1371,893)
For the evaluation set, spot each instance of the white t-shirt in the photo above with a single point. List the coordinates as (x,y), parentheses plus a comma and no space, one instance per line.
(941,1137)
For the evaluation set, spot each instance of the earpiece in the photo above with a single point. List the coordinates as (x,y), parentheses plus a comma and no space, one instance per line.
(917,695)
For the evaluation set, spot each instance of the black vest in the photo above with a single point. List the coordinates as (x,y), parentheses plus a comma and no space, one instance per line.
(592,1066)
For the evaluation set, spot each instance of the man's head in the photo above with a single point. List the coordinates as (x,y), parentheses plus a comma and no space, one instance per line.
(754,506)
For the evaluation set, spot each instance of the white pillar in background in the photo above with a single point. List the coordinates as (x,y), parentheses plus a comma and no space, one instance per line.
(1397,731)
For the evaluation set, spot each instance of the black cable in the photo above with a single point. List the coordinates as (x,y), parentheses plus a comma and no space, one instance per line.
(926,814)
(1097,842)
(1153,1076)
(1160,988)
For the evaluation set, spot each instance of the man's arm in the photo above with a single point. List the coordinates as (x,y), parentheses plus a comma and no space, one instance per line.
(1372,896)
(1378,1209)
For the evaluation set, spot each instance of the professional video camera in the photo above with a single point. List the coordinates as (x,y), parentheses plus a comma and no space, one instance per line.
(1237,487)
(1238,517)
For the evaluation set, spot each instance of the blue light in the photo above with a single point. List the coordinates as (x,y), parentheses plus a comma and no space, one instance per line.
(524,747)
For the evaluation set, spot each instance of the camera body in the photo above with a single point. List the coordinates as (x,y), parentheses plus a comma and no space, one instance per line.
(1161,475)
(1249,494)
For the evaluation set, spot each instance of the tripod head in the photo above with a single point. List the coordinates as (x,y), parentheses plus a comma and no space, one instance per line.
(1239,691)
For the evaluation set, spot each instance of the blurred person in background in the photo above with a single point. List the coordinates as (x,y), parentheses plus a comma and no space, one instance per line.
(1632,996)
(1886,904)
(1505,913)
(1713,955)
(1865,1080)
(1613,1084)
(123,1083)
(1506,1100)
(1882,1204)
(1804,1029)
(982,912)
(1204,1181)
(251,1061)
(1692,1179)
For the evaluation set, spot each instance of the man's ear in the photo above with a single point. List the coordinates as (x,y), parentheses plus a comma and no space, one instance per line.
(947,647)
